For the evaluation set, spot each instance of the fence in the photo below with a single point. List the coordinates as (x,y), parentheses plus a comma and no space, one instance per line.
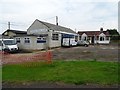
(8,58)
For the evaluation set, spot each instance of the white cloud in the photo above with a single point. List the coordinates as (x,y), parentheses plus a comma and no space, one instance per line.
(79,14)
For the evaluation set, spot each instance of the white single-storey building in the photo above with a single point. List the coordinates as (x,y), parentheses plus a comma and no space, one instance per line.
(41,35)
(95,37)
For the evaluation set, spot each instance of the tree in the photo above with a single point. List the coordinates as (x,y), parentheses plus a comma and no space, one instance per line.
(114,34)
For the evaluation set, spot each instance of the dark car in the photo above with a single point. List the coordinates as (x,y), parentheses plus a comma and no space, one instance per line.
(83,43)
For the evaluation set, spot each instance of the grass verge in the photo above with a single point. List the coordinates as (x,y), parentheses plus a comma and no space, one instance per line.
(73,72)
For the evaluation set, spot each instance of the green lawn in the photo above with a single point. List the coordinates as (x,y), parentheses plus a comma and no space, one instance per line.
(74,72)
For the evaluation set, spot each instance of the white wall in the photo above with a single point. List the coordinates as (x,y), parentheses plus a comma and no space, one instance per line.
(37,28)
(102,35)
(54,43)
(33,45)
(103,42)
(97,40)
(83,36)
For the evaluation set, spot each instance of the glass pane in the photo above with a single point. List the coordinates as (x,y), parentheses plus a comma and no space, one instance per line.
(9,42)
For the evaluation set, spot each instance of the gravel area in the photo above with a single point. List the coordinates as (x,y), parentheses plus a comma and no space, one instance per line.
(93,52)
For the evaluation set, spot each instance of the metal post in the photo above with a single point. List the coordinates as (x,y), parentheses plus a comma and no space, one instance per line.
(95,49)
(56,20)
(9,25)
(46,45)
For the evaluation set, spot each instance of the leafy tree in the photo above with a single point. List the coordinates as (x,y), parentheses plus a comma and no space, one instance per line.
(114,34)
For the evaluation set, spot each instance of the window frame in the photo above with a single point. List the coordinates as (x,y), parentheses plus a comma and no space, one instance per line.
(102,39)
(55,36)
(41,40)
(18,40)
(27,40)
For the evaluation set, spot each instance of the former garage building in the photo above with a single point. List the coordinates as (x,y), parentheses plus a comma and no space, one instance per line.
(41,35)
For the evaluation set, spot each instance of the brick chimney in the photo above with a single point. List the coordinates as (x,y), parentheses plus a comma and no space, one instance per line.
(101,29)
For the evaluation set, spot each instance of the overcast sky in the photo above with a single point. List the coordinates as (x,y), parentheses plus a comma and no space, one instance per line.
(78,15)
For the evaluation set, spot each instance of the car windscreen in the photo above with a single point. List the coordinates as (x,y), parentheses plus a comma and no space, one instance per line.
(9,42)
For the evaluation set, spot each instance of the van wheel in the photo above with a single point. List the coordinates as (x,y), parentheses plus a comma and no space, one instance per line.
(86,45)
(6,50)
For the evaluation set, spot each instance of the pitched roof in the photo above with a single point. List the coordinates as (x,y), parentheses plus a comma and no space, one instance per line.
(57,27)
(16,31)
(92,33)
(2,36)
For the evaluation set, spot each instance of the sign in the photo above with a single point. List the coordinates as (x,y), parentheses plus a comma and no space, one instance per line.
(36,31)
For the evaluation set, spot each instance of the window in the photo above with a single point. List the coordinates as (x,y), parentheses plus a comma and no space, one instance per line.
(76,38)
(41,39)
(17,40)
(44,38)
(27,40)
(55,37)
(9,42)
(101,38)
(38,40)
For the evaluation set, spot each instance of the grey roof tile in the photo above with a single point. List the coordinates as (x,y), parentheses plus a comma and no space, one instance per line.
(57,27)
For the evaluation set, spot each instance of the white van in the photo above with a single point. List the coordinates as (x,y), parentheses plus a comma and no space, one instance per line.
(69,42)
(8,45)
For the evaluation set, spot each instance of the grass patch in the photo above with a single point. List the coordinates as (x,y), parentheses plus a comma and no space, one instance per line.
(74,72)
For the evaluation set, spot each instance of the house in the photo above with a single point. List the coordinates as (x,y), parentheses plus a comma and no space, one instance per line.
(2,36)
(41,35)
(95,37)
(13,33)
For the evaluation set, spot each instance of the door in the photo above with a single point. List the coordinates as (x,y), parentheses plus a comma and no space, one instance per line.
(93,40)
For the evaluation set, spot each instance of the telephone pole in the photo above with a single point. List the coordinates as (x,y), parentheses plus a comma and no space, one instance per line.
(57,20)
(9,25)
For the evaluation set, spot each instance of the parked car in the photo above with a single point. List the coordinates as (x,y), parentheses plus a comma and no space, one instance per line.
(83,43)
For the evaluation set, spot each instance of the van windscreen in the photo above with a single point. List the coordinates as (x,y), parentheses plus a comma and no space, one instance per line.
(9,42)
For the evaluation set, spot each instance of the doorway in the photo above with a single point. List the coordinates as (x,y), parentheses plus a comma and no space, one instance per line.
(93,40)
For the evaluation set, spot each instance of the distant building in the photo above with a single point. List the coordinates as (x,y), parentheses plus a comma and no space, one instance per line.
(41,35)
(99,37)
(2,36)
(14,33)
